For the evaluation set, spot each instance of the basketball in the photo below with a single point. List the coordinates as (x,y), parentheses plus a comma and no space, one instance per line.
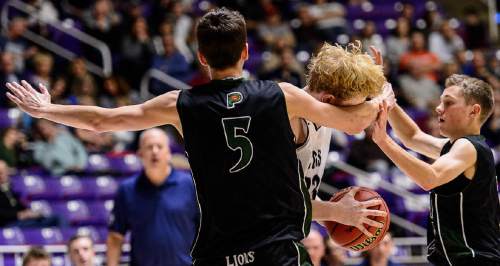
(351,237)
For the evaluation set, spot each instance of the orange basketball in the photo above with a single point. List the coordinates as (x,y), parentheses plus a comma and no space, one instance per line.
(351,237)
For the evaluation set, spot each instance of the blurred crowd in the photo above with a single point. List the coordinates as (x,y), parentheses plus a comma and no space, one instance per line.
(421,47)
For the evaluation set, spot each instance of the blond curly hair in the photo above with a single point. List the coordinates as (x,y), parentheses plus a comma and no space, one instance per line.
(345,73)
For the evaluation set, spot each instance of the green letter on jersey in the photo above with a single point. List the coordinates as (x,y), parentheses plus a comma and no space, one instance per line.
(235,129)
(233,98)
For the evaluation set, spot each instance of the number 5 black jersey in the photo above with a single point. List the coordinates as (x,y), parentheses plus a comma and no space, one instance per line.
(242,154)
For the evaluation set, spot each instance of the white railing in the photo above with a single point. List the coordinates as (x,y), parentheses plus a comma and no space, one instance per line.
(103,71)
(162,77)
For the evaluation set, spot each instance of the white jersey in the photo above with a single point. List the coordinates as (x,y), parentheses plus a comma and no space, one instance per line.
(312,155)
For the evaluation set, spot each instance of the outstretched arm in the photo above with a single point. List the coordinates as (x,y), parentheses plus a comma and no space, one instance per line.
(412,136)
(155,112)
(352,119)
(461,157)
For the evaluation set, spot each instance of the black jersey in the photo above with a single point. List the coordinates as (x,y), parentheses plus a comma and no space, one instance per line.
(242,154)
(464,227)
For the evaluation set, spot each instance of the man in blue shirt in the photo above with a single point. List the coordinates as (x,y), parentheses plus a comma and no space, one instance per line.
(158,207)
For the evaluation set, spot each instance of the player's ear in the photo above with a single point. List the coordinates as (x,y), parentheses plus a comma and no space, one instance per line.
(202,59)
(476,110)
(244,53)
(327,98)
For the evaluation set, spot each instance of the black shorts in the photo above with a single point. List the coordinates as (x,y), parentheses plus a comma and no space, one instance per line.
(283,253)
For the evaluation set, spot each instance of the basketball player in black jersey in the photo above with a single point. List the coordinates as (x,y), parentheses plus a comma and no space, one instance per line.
(464,227)
(254,204)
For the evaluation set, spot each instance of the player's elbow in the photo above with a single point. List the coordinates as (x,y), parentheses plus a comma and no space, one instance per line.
(426,187)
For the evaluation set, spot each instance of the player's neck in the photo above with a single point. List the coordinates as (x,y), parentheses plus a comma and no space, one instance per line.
(469,131)
(158,176)
(231,72)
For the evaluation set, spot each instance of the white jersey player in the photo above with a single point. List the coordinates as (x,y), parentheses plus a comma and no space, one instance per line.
(312,154)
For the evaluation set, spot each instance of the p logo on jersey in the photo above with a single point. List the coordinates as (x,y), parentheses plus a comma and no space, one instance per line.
(233,98)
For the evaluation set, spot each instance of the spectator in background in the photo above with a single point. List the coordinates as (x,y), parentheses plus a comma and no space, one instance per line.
(80,82)
(7,74)
(183,27)
(43,69)
(81,251)
(335,255)
(116,92)
(417,89)
(309,37)
(286,70)
(171,62)
(369,37)
(330,18)
(158,207)
(315,246)
(137,51)
(275,33)
(476,30)
(380,254)
(36,256)
(13,213)
(102,22)
(399,41)
(427,61)
(13,148)
(478,68)
(58,151)
(445,43)
(13,43)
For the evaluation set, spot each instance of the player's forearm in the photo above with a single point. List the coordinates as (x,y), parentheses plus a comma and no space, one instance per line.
(420,172)
(78,116)
(404,127)
(114,250)
(327,211)
(355,118)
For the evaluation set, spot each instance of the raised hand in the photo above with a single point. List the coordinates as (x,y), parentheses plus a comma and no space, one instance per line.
(355,213)
(27,98)
(377,56)
(379,129)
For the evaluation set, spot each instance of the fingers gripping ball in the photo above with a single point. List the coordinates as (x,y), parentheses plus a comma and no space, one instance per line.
(351,237)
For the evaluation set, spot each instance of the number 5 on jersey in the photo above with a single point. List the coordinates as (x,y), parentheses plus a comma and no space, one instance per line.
(235,131)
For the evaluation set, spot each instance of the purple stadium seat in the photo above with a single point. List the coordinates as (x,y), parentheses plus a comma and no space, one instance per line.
(71,187)
(97,163)
(75,211)
(11,236)
(43,236)
(35,187)
(9,117)
(42,206)
(102,187)
(128,164)
(101,211)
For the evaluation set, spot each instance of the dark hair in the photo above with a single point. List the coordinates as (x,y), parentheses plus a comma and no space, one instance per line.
(474,91)
(35,253)
(222,35)
(78,236)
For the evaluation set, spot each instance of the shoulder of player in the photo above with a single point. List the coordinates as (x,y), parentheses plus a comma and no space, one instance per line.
(464,148)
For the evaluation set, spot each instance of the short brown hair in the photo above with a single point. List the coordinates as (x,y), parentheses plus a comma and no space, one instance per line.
(474,91)
(222,36)
(345,73)
(35,253)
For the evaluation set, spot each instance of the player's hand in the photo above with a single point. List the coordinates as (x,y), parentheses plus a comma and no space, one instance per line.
(387,95)
(356,213)
(27,98)
(377,56)
(379,130)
